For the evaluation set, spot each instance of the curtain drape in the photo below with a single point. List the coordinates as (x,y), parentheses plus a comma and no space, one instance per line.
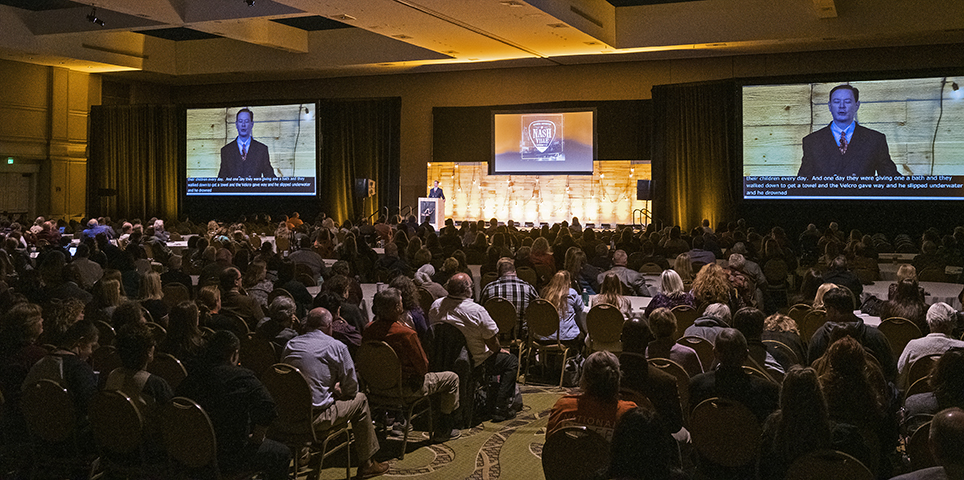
(359,139)
(133,152)
(695,167)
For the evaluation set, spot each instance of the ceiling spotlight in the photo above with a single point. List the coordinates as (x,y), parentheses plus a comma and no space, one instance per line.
(249,2)
(92,18)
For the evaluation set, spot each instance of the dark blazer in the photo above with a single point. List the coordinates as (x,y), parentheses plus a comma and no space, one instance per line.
(256,163)
(436,192)
(866,155)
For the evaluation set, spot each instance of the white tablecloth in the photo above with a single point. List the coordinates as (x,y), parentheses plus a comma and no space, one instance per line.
(935,292)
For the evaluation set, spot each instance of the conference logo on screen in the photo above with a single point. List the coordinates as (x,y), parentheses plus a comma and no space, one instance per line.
(542,138)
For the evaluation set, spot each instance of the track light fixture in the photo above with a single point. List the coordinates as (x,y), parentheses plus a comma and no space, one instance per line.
(249,2)
(92,18)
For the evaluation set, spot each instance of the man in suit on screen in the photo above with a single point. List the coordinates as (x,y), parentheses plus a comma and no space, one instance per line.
(844,147)
(245,157)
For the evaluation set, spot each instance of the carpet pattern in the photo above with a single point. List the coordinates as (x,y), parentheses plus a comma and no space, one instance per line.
(490,451)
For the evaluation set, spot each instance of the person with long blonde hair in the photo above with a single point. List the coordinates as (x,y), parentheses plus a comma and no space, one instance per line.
(611,292)
(821,291)
(671,293)
(568,303)
(684,267)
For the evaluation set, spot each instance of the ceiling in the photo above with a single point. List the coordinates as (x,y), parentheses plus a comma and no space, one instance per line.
(205,41)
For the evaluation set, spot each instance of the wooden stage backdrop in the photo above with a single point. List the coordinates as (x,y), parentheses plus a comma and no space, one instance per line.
(608,196)
(777,117)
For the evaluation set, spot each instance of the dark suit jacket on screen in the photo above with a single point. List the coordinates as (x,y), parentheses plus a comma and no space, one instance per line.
(867,154)
(256,163)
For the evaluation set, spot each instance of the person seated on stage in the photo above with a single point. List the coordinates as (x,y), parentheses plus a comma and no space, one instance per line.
(240,409)
(597,406)
(512,288)
(663,324)
(670,293)
(417,380)
(633,281)
(330,372)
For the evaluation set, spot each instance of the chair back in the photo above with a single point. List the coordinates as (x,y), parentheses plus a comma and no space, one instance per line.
(188,434)
(725,432)
(169,368)
(574,453)
(117,424)
(105,333)
(542,319)
(306,280)
(282,243)
(257,354)
(812,321)
(798,312)
(922,385)
(49,411)
(822,464)
(544,273)
(682,379)
(934,274)
(504,314)
(650,268)
(685,317)
(782,353)
(487,278)
(157,331)
(290,391)
(921,368)
(605,325)
(379,367)
(425,300)
(776,271)
(703,348)
(104,360)
(528,274)
(919,449)
(899,331)
(175,293)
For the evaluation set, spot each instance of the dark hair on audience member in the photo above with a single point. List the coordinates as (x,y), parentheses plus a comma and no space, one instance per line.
(228,277)
(127,312)
(803,422)
(134,343)
(385,300)
(636,335)
(852,88)
(184,337)
(82,330)
(947,379)
(337,284)
(222,346)
(840,299)
(641,447)
(21,326)
(406,287)
(600,376)
(662,321)
(749,321)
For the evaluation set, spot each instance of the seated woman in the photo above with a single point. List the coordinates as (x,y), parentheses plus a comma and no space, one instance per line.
(821,291)
(663,324)
(598,406)
(712,285)
(151,298)
(783,329)
(642,449)
(135,347)
(684,268)
(611,292)
(572,319)
(540,254)
(671,293)
(184,339)
(908,303)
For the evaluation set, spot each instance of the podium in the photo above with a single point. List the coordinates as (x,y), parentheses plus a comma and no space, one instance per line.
(431,210)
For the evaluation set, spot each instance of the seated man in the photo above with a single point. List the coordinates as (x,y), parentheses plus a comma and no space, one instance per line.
(941,321)
(135,347)
(233,301)
(418,381)
(330,372)
(839,304)
(512,288)
(240,409)
(598,407)
(633,282)
(481,337)
(715,318)
(730,381)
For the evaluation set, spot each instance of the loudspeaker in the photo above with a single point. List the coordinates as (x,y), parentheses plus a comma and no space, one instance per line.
(364,187)
(643,191)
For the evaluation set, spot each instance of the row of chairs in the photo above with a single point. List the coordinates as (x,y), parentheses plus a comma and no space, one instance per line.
(898,330)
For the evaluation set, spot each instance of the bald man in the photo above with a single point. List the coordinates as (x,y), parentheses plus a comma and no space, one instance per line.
(634,283)
(330,372)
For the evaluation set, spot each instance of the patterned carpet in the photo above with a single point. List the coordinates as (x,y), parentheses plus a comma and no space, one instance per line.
(507,450)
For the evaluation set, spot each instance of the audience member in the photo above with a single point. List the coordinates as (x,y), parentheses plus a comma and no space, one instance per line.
(663,324)
(568,304)
(597,406)
(512,288)
(714,319)
(840,315)
(633,281)
(671,293)
(941,322)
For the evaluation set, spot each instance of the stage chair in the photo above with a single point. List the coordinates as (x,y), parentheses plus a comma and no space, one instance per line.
(293,427)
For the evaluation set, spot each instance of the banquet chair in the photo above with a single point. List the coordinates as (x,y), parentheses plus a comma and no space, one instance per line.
(782,353)
(258,354)
(528,274)
(506,318)
(811,323)
(822,464)
(798,312)
(425,300)
(190,441)
(725,432)
(604,324)
(169,368)
(118,428)
(574,453)
(381,371)
(685,317)
(293,427)
(703,348)
(682,380)
(899,331)
(544,322)
(921,368)
(919,449)
(175,293)
(51,419)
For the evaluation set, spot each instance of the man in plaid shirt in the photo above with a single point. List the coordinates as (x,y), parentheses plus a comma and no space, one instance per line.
(512,288)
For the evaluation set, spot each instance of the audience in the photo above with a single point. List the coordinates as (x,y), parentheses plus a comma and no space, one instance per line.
(663,324)
(598,406)
(611,292)
(671,293)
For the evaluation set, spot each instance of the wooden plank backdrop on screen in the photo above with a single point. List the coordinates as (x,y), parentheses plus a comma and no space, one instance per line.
(287,130)
(777,117)
(608,196)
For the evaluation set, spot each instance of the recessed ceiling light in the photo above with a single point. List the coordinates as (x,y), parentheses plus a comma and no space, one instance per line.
(557,25)
(344,17)
(510,3)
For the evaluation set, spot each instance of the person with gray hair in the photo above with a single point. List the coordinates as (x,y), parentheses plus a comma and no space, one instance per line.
(278,326)
(335,396)
(941,318)
(633,281)
(481,339)
(597,406)
(715,318)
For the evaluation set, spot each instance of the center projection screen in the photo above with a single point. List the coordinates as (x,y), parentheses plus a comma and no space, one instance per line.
(543,142)
(256,150)
(908,142)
